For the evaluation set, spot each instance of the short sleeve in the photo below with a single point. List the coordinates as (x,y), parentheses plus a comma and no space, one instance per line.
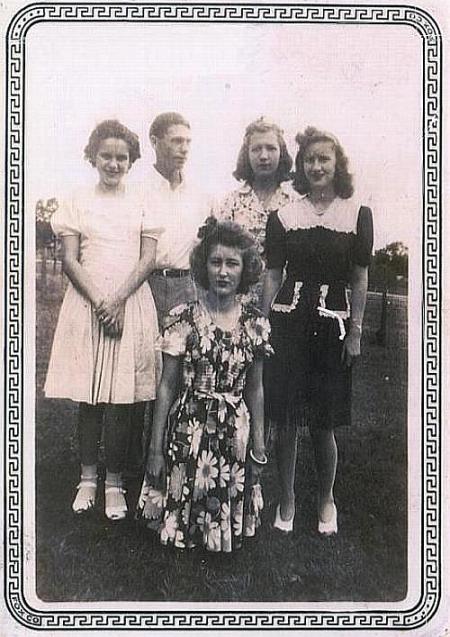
(363,244)
(176,330)
(66,220)
(224,210)
(152,225)
(258,329)
(275,244)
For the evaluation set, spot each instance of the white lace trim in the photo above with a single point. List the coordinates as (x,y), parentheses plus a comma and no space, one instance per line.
(341,216)
(339,315)
(283,307)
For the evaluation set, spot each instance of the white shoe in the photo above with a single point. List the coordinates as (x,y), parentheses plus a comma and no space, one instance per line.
(85,498)
(330,527)
(283,525)
(115,504)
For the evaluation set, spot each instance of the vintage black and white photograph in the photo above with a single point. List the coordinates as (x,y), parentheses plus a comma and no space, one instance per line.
(230,309)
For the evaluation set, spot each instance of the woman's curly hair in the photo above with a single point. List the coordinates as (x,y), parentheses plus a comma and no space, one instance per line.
(343,181)
(112,128)
(232,235)
(244,170)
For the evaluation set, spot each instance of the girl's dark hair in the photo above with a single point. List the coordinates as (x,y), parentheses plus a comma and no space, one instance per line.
(244,170)
(343,181)
(232,235)
(107,129)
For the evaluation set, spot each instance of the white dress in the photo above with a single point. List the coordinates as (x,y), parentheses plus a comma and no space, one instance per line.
(85,364)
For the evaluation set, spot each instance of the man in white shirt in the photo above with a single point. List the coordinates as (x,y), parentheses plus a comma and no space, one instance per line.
(179,207)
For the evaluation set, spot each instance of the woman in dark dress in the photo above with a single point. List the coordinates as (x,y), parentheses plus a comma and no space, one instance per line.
(323,243)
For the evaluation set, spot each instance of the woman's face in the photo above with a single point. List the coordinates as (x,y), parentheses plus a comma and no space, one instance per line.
(319,164)
(112,161)
(264,154)
(224,267)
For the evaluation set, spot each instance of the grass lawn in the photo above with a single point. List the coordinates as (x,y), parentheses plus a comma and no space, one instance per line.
(89,558)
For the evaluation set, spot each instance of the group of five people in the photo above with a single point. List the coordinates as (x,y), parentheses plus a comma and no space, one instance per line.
(252,314)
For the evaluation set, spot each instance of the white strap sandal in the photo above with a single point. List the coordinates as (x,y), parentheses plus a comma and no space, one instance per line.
(286,526)
(85,498)
(115,504)
(330,527)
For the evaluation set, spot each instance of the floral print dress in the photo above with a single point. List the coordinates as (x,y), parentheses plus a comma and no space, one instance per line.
(209,500)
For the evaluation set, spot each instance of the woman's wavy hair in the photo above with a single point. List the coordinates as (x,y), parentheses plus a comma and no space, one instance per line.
(343,180)
(232,235)
(112,128)
(243,169)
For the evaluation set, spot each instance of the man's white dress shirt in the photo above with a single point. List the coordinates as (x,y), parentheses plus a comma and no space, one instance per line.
(180,212)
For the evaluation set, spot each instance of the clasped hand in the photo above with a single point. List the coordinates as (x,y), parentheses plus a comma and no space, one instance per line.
(111,314)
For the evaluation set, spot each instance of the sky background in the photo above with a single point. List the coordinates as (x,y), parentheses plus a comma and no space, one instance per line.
(361,82)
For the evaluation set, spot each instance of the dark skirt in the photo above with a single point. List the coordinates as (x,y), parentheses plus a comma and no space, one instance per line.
(305,381)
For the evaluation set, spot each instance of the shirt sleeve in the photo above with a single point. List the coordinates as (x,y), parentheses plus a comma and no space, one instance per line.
(363,244)
(275,244)
(152,225)
(65,220)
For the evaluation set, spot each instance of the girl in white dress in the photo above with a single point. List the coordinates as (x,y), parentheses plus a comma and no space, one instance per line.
(103,351)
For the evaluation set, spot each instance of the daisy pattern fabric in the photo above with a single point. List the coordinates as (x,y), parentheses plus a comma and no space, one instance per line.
(209,500)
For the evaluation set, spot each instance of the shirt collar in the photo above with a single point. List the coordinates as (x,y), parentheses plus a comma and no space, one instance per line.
(285,187)
(246,188)
(284,190)
(161,183)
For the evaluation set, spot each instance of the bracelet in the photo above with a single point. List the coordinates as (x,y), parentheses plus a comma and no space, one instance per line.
(358,326)
(257,460)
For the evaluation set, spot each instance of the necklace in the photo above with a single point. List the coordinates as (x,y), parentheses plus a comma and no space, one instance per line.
(321,205)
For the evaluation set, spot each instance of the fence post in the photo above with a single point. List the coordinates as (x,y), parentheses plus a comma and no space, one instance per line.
(44,267)
(381,332)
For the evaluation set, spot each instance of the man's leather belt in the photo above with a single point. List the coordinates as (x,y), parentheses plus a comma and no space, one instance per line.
(171,273)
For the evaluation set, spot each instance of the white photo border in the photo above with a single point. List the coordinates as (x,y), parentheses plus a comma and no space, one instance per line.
(14,262)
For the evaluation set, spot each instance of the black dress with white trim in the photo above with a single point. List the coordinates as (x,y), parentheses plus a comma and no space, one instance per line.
(309,315)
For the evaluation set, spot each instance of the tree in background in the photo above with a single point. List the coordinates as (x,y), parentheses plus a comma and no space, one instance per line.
(389,269)
(45,239)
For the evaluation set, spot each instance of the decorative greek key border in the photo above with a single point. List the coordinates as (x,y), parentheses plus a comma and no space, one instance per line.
(55,12)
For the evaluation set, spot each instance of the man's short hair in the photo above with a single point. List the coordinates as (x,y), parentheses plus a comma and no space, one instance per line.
(164,121)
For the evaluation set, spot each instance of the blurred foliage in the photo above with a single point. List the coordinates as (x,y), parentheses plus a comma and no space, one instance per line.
(389,269)
(43,213)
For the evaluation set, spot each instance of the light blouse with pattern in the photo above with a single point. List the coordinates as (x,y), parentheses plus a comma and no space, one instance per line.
(244,207)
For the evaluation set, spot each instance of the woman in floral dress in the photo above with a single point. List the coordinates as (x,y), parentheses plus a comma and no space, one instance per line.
(210,405)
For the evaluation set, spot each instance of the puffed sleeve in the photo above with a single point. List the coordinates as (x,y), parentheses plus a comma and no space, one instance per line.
(363,243)
(275,244)
(177,328)
(223,210)
(258,329)
(65,221)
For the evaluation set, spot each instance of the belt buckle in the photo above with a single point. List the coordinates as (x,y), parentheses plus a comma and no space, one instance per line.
(165,271)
